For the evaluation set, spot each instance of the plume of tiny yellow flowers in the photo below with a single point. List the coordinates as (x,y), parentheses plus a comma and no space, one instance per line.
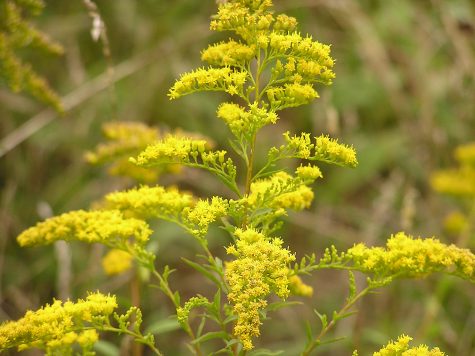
(147,202)
(458,181)
(116,262)
(281,190)
(203,213)
(16,34)
(189,152)
(260,268)
(108,227)
(410,257)
(56,327)
(325,149)
(401,348)
(125,139)
(298,287)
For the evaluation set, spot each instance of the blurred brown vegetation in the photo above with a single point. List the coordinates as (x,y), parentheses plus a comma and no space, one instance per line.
(404,96)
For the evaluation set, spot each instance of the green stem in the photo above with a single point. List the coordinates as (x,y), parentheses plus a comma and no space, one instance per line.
(349,303)
(137,336)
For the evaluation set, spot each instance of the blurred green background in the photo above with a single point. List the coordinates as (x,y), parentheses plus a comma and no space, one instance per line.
(404,96)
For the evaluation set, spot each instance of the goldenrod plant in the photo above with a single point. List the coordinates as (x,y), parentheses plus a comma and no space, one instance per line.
(266,67)
(17,33)
(459,183)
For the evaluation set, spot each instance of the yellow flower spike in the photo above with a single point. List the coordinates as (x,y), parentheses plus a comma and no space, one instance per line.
(465,154)
(329,150)
(108,227)
(209,79)
(410,257)
(229,53)
(58,325)
(260,268)
(309,172)
(116,262)
(205,212)
(401,348)
(458,182)
(298,287)
(146,202)
(285,23)
(300,146)
(174,149)
(290,95)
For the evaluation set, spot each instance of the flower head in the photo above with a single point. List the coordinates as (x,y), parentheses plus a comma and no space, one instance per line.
(401,348)
(57,326)
(260,268)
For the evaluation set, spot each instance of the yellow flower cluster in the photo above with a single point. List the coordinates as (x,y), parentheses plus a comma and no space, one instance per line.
(199,217)
(465,154)
(245,123)
(16,32)
(260,268)
(309,173)
(147,202)
(125,139)
(329,150)
(406,256)
(401,348)
(116,261)
(458,182)
(229,53)
(325,149)
(172,149)
(280,191)
(246,18)
(108,227)
(284,23)
(290,95)
(57,326)
(224,79)
(298,287)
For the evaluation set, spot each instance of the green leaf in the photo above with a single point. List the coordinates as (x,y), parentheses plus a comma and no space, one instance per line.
(163,326)
(210,336)
(106,348)
(323,318)
(352,282)
(203,271)
(279,305)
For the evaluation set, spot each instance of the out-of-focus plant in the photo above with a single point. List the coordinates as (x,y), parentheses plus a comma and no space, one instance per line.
(17,33)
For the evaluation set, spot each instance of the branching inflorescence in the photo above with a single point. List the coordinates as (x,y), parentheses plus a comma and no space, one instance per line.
(269,66)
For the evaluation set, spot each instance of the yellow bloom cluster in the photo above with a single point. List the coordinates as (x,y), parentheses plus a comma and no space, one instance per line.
(229,53)
(108,227)
(16,33)
(455,222)
(325,149)
(116,261)
(308,173)
(329,150)
(172,149)
(205,212)
(245,123)
(224,79)
(401,348)
(284,23)
(280,191)
(298,287)
(406,256)
(465,154)
(260,268)
(146,202)
(458,182)
(290,95)
(125,139)
(246,18)
(57,326)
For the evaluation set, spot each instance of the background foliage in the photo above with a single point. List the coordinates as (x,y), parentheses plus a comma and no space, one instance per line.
(403,96)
